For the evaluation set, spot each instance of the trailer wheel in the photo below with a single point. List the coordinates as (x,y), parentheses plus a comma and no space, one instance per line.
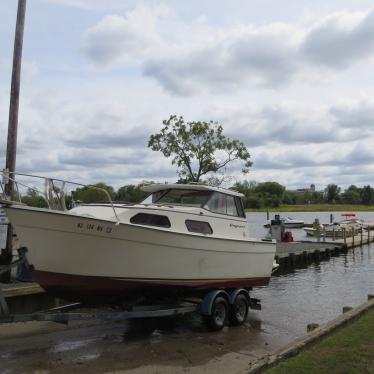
(239,310)
(217,319)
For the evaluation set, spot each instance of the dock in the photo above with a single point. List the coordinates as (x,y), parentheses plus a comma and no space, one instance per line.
(291,254)
(16,289)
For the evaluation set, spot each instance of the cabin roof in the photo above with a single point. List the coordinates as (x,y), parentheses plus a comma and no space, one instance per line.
(197,187)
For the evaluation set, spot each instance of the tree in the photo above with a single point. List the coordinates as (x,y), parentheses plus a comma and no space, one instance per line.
(245,187)
(253,201)
(198,148)
(270,188)
(32,198)
(352,195)
(131,194)
(271,193)
(367,195)
(92,195)
(289,197)
(332,193)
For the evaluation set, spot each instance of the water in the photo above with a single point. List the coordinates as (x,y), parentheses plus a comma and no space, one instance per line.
(316,293)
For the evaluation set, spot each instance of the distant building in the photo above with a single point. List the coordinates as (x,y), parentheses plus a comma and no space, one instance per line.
(311,189)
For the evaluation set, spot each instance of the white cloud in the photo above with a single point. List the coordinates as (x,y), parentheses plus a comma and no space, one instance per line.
(242,56)
(124,39)
(341,39)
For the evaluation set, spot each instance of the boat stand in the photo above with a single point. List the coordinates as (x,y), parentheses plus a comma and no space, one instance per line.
(4,310)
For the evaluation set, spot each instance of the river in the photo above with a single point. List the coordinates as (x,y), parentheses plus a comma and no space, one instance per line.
(316,293)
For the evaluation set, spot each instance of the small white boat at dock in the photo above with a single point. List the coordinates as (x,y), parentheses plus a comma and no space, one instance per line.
(289,222)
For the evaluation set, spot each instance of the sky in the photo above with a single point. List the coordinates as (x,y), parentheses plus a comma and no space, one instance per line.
(294,81)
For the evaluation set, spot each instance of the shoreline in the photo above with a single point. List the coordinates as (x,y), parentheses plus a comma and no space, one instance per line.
(316,208)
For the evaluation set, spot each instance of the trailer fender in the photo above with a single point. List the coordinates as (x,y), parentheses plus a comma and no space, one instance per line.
(234,292)
(206,305)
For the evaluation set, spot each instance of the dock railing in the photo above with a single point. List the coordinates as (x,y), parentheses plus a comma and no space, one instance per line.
(54,194)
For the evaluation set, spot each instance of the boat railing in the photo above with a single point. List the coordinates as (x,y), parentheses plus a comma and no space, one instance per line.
(53,194)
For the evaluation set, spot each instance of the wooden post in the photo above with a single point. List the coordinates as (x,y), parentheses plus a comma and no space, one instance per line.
(353,237)
(344,236)
(368,234)
(361,235)
(6,255)
(324,233)
(333,234)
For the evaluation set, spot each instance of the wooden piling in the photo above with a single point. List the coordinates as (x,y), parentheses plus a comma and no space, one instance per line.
(312,326)
(292,259)
(368,234)
(344,236)
(353,237)
(317,254)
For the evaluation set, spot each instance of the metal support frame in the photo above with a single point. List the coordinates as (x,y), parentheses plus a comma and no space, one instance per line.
(4,310)
(63,315)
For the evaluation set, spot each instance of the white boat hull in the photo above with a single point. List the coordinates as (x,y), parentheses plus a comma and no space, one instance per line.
(85,258)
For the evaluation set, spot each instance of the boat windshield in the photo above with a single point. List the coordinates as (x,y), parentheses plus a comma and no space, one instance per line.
(182,197)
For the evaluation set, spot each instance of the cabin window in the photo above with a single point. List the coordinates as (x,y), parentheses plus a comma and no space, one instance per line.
(150,220)
(239,207)
(199,226)
(231,206)
(217,203)
(222,204)
(182,197)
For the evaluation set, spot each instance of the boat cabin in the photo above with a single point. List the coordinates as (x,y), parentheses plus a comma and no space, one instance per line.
(214,199)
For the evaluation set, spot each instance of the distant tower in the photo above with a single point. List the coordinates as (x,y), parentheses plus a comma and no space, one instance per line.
(312,188)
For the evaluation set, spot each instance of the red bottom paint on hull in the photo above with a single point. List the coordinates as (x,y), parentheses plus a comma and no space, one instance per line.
(104,289)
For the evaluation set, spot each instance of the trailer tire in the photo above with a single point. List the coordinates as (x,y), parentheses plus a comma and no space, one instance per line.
(217,318)
(239,310)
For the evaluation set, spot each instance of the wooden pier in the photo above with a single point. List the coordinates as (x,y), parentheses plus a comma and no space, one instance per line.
(20,289)
(301,253)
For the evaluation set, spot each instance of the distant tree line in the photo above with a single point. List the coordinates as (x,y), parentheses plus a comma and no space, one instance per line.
(273,194)
(256,195)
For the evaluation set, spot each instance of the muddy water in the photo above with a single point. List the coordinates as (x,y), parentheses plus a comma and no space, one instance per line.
(291,301)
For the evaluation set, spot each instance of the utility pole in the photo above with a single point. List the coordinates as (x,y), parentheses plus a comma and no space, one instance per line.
(6,255)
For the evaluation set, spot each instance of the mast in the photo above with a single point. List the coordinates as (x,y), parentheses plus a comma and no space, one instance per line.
(10,166)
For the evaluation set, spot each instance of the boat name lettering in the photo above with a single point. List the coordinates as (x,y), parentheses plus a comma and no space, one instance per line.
(237,226)
(93,227)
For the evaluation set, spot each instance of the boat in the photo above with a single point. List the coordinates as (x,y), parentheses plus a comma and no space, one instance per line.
(289,222)
(350,218)
(182,240)
(334,230)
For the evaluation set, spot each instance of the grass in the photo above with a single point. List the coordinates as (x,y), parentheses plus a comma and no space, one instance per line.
(348,350)
(318,208)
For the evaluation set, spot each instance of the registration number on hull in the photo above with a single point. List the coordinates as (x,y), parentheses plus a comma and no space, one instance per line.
(94,227)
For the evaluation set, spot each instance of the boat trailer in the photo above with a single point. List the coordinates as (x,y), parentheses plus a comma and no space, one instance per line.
(216,307)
